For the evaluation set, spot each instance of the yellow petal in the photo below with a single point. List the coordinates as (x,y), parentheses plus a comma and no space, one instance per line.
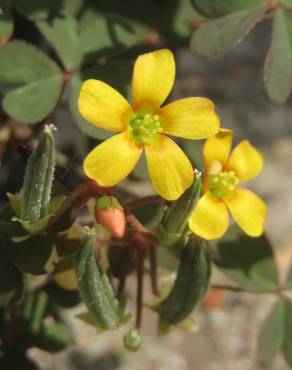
(112,161)
(248,210)
(209,219)
(190,118)
(153,79)
(217,148)
(170,170)
(246,161)
(103,106)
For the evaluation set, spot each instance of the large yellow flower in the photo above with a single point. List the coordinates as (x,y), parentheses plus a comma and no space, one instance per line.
(223,172)
(143,125)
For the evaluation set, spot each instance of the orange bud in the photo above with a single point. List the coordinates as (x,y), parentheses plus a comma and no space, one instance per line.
(110,214)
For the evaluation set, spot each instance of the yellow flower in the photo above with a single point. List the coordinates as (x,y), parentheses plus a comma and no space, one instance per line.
(144,124)
(223,172)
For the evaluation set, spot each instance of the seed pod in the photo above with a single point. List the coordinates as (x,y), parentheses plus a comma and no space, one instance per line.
(36,190)
(191,283)
(110,214)
(174,222)
(95,289)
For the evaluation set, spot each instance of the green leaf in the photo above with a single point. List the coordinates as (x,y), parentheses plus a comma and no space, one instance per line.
(62,33)
(218,36)
(220,8)
(11,284)
(118,75)
(278,67)
(34,254)
(248,261)
(6,22)
(72,7)
(272,333)
(115,34)
(287,345)
(32,83)
(287,3)
(36,9)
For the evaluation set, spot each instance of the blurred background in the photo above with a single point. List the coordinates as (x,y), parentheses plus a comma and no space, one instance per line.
(228,322)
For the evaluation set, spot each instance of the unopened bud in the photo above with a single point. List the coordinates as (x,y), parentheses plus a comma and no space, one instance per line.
(110,214)
(132,340)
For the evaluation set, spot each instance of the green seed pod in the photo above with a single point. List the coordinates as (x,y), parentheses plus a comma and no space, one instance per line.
(191,283)
(36,190)
(95,289)
(174,222)
(132,340)
(220,8)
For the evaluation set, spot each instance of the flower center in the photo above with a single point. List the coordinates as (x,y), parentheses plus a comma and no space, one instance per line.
(143,128)
(222,184)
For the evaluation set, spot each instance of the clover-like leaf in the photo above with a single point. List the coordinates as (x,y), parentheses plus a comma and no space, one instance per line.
(35,9)
(62,33)
(278,68)
(220,8)
(217,36)
(272,333)
(30,81)
(287,345)
(248,261)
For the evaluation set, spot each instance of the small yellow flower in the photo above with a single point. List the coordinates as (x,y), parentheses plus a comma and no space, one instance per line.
(144,124)
(223,172)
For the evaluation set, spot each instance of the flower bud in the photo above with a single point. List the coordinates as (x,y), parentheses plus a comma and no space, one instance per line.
(132,340)
(110,214)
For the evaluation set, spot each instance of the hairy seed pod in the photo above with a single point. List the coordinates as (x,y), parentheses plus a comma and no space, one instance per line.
(36,190)
(95,288)
(174,222)
(191,283)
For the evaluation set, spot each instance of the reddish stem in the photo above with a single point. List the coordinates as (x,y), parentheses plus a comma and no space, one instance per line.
(153,270)
(140,202)
(140,285)
(78,198)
